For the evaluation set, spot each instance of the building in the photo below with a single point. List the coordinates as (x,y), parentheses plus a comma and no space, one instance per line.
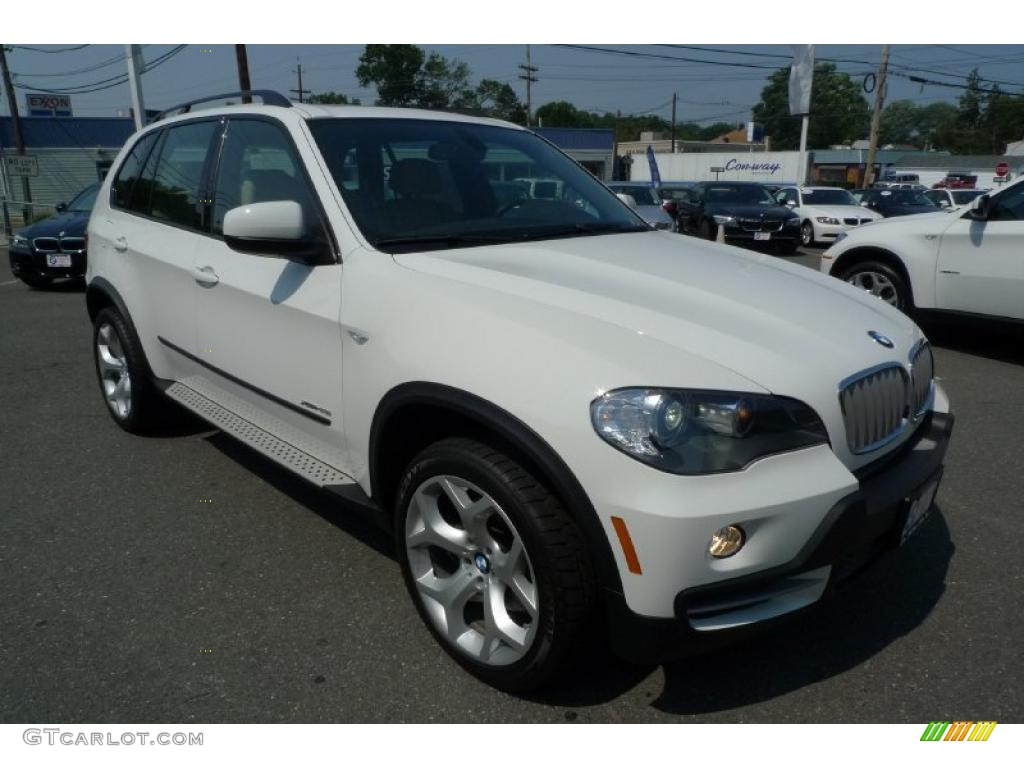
(70,152)
(593,148)
(848,167)
(657,141)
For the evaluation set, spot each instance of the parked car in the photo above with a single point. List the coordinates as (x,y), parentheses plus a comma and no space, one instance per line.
(572,424)
(955,180)
(967,260)
(55,246)
(648,204)
(952,198)
(670,194)
(747,214)
(824,211)
(894,202)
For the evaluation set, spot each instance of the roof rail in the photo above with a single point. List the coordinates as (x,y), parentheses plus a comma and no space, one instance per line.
(270,98)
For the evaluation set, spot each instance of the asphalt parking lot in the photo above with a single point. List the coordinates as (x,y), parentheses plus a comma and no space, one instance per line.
(183,579)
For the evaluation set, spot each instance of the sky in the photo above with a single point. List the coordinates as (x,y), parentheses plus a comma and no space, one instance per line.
(592,80)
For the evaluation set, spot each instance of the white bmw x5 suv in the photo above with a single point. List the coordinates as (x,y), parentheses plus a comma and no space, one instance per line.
(574,425)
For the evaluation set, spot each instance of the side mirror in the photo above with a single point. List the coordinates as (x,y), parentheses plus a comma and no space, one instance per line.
(275,229)
(865,204)
(627,199)
(791,203)
(980,208)
(61,207)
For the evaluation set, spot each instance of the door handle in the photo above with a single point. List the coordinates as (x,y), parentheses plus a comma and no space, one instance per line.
(121,244)
(205,276)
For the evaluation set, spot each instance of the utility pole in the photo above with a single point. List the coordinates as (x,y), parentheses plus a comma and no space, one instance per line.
(673,123)
(243,72)
(133,56)
(19,138)
(530,79)
(300,90)
(876,117)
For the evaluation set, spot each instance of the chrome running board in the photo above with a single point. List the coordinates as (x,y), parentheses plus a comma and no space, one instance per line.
(287,455)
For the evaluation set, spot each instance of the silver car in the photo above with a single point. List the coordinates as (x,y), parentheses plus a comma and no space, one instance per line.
(645,201)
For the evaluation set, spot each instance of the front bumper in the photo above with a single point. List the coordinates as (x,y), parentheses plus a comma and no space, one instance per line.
(33,263)
(738,235)
(858,528)
(827,233)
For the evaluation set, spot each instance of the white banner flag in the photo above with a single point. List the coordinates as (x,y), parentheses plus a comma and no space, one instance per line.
(801,74)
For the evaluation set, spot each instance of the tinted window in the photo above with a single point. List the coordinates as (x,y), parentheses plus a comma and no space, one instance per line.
(442,184)
(828,197)
(130,170)
(176,191)
(961,198)
(258,165)
(643,195)
(85,199)
(1009,204)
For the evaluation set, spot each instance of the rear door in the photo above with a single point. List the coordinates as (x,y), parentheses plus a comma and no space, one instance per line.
(981,263)
(269,339)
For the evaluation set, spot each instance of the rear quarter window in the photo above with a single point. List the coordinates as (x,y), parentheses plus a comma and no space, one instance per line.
(130,170)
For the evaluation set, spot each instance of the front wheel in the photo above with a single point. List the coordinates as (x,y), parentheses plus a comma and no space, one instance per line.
(807,234)
(881,281)
(494,563)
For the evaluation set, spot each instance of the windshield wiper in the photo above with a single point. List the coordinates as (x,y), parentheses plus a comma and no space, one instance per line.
(442,240)
(455,240)
(585,229)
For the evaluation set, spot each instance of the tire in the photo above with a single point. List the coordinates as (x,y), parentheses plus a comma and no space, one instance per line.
(881,280)
(36,282)
(807,234)
(134,402)
(466,511)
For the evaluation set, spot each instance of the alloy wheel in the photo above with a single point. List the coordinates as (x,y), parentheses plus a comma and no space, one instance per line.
(876,284)
(114,376)
(471,570)
(807,233)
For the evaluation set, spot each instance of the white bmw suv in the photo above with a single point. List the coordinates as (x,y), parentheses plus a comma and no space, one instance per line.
(966,260)
(574,425)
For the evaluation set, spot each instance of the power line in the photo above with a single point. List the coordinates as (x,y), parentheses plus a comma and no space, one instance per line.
(101,85)
(50,50)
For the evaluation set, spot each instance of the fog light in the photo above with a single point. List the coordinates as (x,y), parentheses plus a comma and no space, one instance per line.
(726,541)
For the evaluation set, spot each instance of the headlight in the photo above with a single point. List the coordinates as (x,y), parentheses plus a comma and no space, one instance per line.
(793,222)
(696,432)
(827,220)
(724,219)
(19,241)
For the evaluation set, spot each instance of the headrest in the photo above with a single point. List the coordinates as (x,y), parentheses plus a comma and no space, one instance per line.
(415,177)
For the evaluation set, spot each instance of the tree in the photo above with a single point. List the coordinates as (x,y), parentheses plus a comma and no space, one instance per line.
(442,83)
(499,100)
(839,111)
(395,70)
(562,114)
(899,124)
(330,97)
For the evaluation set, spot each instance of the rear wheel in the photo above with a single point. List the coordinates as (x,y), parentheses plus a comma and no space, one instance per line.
(494,563)
(881,281)
(132,399)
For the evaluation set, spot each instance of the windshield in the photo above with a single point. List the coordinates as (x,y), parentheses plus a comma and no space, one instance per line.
(908,197)
(960,198)
(416,184)
(642,195)
(747,195)
(828,197)
(85,199)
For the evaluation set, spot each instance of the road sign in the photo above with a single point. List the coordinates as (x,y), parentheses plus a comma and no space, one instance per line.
(1002,169)
(21,165)
(48,105)
(717,169)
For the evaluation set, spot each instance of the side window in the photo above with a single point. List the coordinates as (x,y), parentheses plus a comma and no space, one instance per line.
(130,170)
(1009,204)
(176,194)
(258,165)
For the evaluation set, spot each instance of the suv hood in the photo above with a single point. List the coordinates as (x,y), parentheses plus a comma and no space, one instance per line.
(71,223)
(786,328)
(749,210)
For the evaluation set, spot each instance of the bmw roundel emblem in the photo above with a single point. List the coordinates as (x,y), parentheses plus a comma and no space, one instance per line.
(882,339)
(482,563)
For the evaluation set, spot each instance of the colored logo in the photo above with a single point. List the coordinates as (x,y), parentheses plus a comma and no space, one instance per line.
(482,563)
(958,731)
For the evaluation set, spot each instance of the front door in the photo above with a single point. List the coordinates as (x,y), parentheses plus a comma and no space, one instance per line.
(981,263)
(268,333)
